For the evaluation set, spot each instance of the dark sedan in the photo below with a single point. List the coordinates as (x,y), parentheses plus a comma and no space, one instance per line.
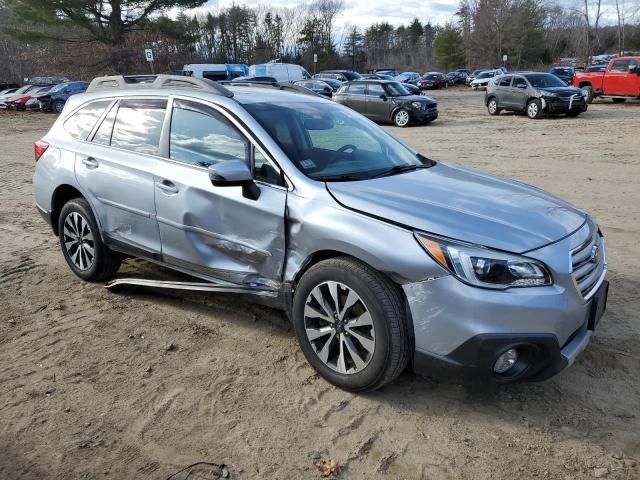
(54,100)
(318,86)
(433,80)
(387,101)
(563,73)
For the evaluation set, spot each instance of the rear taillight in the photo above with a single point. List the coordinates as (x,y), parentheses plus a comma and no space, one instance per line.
(39,148)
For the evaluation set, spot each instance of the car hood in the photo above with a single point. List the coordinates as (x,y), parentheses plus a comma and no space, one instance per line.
(466,205)
(562,91)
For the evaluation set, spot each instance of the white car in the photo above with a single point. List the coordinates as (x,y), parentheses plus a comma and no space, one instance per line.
(482,80)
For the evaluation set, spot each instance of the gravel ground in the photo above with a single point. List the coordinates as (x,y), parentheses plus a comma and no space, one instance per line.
(90,389)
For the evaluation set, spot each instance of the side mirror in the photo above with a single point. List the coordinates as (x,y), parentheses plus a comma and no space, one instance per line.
(383,97)
(234,173)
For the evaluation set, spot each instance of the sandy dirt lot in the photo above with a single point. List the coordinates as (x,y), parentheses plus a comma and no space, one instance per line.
(89,389)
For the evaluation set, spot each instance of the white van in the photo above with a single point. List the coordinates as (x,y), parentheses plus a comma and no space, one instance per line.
(282,72)
(215,71)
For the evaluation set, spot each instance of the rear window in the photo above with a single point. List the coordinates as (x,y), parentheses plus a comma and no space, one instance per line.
(138,125)
(80,124)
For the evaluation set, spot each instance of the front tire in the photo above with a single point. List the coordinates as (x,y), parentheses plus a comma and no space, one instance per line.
(57,106)
(589,95)
(401,118)
(350,322)
(534,109)
(492,107)
(82,247)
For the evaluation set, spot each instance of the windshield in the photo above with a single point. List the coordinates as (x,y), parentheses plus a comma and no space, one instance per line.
(329,142)
(432,76)
(545,80)
(486,75)
(562,71)
(396,89)
(59,88)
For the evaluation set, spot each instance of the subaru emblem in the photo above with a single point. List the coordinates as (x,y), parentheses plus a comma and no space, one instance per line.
(594,253)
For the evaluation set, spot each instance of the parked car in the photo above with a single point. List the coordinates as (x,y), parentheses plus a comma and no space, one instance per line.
(377,76)
(7,91)
(387,101)
(282,72)
(54,100)
(408,77)
(534,93)
(596,68)
(412,89)
(19,101)
(432,80)
(4,98)
(342,75)
(333,83)
(621,80)
(259,79)
(563,73)
(317,86)
(392,72)
(474,74)
(380,256)
(483,78)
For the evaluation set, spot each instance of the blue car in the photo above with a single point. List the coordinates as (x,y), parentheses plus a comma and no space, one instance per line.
(564,73)
(54,99)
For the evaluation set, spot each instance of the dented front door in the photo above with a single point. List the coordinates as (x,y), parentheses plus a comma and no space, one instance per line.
(216,231)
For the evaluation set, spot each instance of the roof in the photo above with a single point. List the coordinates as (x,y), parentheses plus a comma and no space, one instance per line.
(250,94)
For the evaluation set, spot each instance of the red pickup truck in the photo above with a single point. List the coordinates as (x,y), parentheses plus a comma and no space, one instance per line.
(621,80)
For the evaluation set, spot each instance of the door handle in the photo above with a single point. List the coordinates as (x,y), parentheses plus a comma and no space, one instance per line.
(167,186)
(90,162)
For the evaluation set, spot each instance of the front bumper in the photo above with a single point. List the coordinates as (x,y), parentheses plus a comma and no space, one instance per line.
(461,330)
(559,105)
(431,113)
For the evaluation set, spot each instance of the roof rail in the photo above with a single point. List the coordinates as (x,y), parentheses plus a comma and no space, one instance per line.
(123,82)
(279,86)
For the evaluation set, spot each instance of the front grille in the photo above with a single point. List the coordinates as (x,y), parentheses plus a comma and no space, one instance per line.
(588,263)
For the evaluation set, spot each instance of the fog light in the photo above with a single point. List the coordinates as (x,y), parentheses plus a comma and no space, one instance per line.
(506,361)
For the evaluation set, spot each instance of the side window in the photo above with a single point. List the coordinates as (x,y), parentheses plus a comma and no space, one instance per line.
(264,171)
(80,124)
(356,89)
(103,134)
(375,90)
(504,81)
(519,82)
(620,66)
(201,136)
(138,125)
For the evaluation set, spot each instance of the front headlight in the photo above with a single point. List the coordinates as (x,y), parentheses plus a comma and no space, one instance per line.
(484,267)
(417,105)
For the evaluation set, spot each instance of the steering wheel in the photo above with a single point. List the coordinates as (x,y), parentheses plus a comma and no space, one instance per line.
(348,146)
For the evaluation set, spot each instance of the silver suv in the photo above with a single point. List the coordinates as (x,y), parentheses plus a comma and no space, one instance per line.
(380,256)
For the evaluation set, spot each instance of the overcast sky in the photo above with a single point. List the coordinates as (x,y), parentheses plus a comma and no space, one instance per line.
(396,12)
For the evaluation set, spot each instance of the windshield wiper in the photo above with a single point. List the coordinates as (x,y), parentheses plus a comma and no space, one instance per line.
(395,170)
(337,178)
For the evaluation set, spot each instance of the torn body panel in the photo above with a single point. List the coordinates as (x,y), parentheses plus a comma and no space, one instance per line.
(216,230)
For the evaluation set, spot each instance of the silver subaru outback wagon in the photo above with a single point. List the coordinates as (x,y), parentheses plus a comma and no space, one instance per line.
(381,257)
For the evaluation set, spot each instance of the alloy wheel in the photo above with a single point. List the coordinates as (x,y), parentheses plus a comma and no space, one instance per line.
(532,109)
(402,118)
(493,106)
(339,327)
(78,241)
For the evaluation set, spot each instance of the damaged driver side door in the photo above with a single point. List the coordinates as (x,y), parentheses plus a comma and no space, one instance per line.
(217,231)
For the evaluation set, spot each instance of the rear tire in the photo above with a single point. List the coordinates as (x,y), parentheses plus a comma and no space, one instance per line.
(361,343)
(534,109)
(81,244)
(588,90)
(492,107)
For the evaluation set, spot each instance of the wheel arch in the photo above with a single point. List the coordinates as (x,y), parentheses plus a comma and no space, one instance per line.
(585,83)
(61,195)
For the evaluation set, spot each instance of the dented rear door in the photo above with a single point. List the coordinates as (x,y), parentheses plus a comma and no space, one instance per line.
(216,231)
